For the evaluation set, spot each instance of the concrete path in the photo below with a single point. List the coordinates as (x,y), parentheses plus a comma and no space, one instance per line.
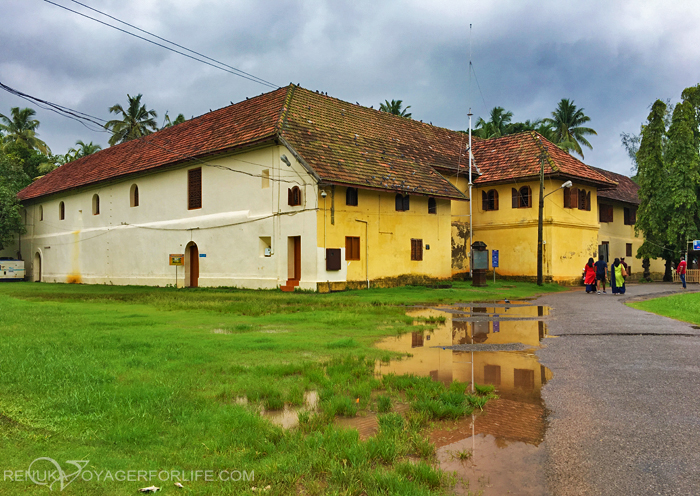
(624,400)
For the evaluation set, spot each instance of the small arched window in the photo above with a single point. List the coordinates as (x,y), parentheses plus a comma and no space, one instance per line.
(95,205)
(489,200)
(351,197)
(61,211)
(402,203)
(522,198)
(41,212)
(432,206)
(134,196)
(294,196)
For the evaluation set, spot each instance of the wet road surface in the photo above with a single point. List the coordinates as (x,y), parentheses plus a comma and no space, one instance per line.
(624,399)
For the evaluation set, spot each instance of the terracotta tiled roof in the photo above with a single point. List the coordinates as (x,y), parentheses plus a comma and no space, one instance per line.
(627,190)
(355,145)
(517,156)
(342,142)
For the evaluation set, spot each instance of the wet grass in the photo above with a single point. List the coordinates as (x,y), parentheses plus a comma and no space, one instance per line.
(683,306)
(136,378)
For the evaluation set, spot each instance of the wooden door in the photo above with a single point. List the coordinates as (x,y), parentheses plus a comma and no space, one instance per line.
(297,258)
(194,266)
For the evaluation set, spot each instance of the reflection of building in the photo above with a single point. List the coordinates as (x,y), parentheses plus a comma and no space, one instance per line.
(517,375)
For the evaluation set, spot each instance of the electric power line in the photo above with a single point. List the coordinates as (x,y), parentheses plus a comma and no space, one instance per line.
(239,73)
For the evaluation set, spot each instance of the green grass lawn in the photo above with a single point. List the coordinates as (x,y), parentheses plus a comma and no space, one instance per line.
(682,306)
(137,378)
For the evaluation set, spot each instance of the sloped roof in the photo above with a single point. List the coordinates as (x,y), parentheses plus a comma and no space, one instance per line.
(517,156)
(343,143)
(626,191)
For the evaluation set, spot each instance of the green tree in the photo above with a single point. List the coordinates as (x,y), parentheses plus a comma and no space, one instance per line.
(652,214)
(498,124)
(81,150)
(567,124)
(136,121)
(394,107)
(683,180)
(21,128)
(10,218)
(168,123)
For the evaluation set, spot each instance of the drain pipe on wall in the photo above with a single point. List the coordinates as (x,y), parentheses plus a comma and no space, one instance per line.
(366,249)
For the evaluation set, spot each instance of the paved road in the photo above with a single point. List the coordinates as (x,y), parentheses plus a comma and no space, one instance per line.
(624,399)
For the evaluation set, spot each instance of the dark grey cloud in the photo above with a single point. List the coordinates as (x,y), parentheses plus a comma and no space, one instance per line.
(611,58)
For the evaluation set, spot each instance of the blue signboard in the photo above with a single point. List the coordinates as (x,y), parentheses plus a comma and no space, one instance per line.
(494,258)
(696,245)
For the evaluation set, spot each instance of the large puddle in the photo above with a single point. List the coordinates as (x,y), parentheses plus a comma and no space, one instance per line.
(498,451)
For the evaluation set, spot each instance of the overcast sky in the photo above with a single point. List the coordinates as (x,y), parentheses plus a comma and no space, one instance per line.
(613,58)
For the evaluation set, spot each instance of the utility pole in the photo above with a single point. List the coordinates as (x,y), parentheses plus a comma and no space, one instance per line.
(539,218)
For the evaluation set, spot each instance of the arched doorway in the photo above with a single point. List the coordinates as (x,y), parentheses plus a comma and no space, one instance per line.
(191,265)
(36,268)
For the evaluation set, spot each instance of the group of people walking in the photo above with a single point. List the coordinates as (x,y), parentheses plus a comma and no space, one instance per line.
(596,274)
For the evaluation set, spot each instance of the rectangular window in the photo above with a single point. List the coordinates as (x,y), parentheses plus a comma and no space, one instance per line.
(265,246)
(570,197)
(266,178)
(352,247)
(630,216)
(628,250)
(605,212)
(194,188)
(416,249)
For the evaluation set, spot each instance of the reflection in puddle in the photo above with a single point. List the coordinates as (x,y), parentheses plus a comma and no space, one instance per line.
(502,445)
(288,417)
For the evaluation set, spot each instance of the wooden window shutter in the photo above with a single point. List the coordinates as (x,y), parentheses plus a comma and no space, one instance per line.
(417,249)
(529,197)
(290,201)
(194,188)
(588,201)
(406,203)
(567,197)
(484,201)
(432,206)
(573,197)
(495,199)
(516,198)
(399,203)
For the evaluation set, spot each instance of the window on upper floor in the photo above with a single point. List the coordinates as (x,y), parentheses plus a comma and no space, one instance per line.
(265,178)
(294,196)
(134,196)
(351,197)
(61,211)
(194,188)
(41,212)
(630,216)
(605,212)
(402,203)
(628,249)
(584,199)
(432,206)
(417,249)
(95,204)
(522,198)
(489,200)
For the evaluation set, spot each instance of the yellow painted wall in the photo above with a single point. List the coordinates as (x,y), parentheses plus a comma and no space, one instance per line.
(617,234)
(388,233)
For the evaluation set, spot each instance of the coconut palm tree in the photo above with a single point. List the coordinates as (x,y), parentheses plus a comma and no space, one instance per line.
(566,123)
(21,128)
(82,150)
(498,124)
(168,123)
(394,107)
(136,121)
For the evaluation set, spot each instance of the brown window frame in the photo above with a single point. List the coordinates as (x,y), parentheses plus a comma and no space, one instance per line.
(41,212)
(294,196)
(134,196)
(61,211)
(584,200)
(605,212)
(351,195)
(417,249)
(630,216)
(489,200)
(95,204)
(522,198)
(352,248)
(432,206)
(194,188)
(402,203)
(628,249)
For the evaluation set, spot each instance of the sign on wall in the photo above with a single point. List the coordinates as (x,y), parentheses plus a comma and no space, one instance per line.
(696,245)
(494,258)
(178,259)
